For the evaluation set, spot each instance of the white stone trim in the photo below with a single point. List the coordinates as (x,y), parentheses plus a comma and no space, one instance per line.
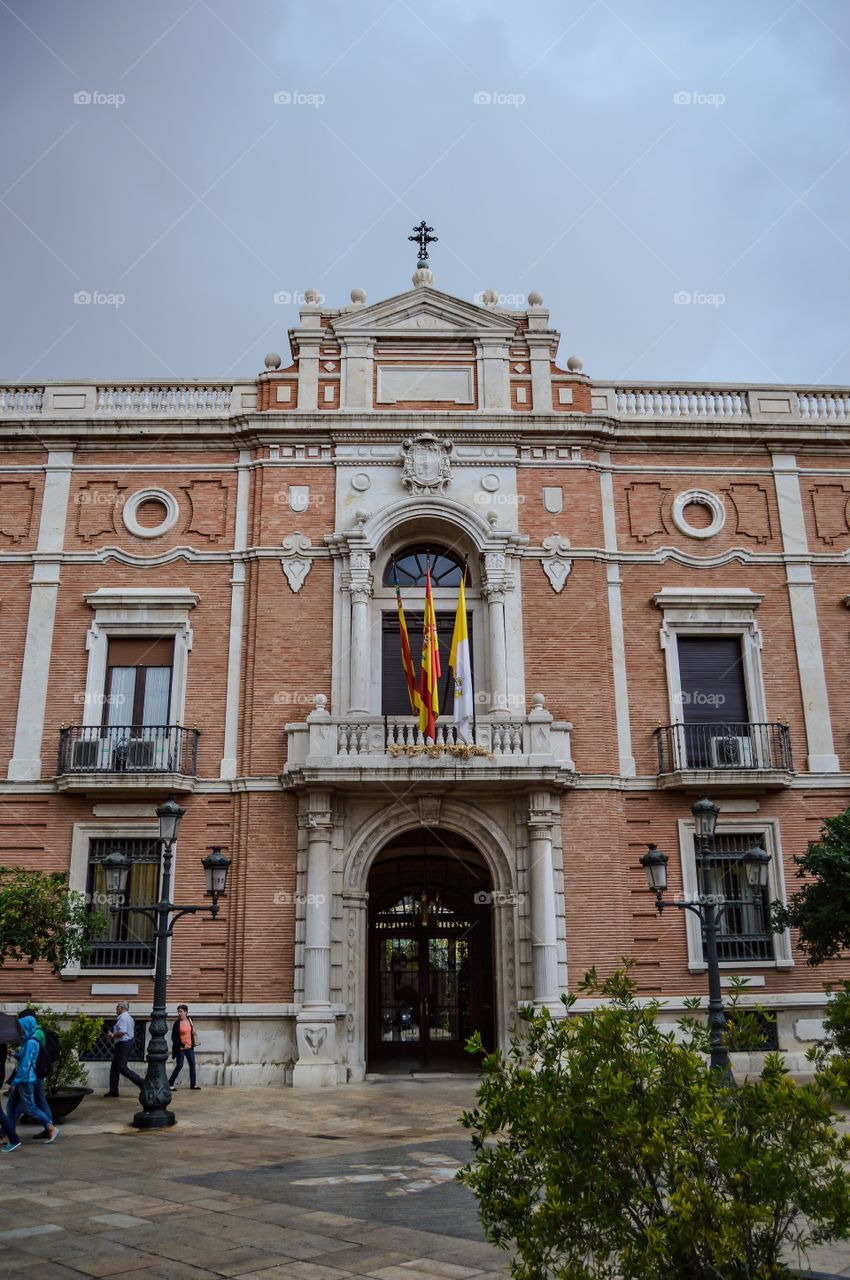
(712,611)
(136,612)
(628,767)
(700,497)
(228,765)
(82,833)
(25,763)
(767,831)
(131,506)
(804,618)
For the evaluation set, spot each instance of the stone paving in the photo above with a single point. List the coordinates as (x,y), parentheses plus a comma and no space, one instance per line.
(259,1184)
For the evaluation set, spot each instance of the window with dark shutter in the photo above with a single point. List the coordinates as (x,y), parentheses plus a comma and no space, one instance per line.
(394,699)
(712,678)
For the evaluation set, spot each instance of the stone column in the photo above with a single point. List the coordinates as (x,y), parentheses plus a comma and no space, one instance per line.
(316,1067)
(494,590)
(495,391)
(544,927)
(360,588)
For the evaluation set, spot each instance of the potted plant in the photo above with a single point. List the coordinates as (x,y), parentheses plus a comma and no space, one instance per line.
(66,1079)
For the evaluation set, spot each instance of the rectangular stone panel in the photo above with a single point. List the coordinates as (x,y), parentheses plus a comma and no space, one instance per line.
(398,382)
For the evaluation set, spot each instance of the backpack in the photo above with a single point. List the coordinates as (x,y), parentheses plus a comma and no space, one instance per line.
(47,1053)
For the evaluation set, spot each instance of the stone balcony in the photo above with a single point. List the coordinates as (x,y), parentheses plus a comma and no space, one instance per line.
(361,750)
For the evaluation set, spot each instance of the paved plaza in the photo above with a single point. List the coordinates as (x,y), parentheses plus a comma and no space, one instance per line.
(262,1184)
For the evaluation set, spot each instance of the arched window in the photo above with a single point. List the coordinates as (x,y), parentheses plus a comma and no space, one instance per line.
(410,564)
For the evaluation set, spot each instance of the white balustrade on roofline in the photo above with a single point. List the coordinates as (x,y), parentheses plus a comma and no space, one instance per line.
(682,401)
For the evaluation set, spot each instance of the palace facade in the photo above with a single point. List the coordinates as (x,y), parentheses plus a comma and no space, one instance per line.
(198,599)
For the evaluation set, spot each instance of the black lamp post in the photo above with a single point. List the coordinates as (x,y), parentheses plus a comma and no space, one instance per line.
(708,907)
(155,1093)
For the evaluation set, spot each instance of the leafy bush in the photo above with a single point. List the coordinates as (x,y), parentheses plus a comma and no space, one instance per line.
(832,1056)
(821,909)
(76,1036)
(41,919)
(606,1147)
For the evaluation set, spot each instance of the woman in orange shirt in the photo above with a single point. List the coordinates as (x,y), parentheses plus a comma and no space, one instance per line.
(183,1046)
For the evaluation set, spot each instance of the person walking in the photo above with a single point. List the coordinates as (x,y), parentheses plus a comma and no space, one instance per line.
(183,1041)
(23,1088)
(43,1062)
(122,1035)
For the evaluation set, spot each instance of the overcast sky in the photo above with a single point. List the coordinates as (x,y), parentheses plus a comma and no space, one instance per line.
(672,177)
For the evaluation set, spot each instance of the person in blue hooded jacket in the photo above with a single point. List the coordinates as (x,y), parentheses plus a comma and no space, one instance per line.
(23,1088)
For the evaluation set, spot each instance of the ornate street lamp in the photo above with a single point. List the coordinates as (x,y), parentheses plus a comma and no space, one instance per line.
(155,1093)
(708,908)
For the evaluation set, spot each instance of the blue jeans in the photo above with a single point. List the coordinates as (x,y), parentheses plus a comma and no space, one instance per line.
(40,1094)
(23,1100)
(187,1055)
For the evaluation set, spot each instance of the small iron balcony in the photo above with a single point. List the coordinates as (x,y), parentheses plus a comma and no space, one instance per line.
(128,755)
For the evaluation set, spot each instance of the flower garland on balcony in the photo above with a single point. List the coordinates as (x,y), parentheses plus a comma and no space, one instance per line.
(460,750)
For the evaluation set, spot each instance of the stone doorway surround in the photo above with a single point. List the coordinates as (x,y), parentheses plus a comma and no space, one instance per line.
(518,835)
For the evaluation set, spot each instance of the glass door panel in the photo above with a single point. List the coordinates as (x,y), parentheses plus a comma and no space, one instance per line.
(399,1004)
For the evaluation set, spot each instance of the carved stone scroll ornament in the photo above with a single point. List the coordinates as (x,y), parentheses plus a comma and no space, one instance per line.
(296,565)
(426,463)
(557,564)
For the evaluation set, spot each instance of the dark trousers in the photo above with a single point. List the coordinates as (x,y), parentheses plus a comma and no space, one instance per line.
(120,1055)
(187,1055)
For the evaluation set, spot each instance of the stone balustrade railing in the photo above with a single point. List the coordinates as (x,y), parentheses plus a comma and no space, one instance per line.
(326,741)
(140,399)
(626,401)
(677,401)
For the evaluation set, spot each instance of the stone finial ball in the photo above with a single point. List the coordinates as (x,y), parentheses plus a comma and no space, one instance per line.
(312,296)
(358,295)
(490,297)
(272,360)
(538,701)
(535,299)
(575,364)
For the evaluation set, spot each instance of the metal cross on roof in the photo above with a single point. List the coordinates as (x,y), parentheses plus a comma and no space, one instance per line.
(423,236)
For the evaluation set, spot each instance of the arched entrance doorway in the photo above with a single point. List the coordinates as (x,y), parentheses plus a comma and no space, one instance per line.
(430,968)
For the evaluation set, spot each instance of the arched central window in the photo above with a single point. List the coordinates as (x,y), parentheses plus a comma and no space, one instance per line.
(446,570)
(410,564)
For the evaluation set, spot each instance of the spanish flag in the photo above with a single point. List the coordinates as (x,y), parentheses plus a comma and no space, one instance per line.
(460,665)
(406,658)
(429,675)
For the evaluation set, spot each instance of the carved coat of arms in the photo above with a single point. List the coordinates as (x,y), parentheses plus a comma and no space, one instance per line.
(427,463)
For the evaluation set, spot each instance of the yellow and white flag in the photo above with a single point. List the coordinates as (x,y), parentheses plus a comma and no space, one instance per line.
(460,666)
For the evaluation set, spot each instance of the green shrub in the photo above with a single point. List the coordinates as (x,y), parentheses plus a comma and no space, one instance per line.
(77,1036)
(606,1147)
(832,1056)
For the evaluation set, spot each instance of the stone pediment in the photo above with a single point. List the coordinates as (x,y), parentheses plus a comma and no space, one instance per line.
(422,311)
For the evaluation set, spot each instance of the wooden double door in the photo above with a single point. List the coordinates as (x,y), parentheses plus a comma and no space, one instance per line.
(430,966)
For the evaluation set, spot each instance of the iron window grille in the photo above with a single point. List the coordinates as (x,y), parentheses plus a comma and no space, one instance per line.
(126,940)
(744,914)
